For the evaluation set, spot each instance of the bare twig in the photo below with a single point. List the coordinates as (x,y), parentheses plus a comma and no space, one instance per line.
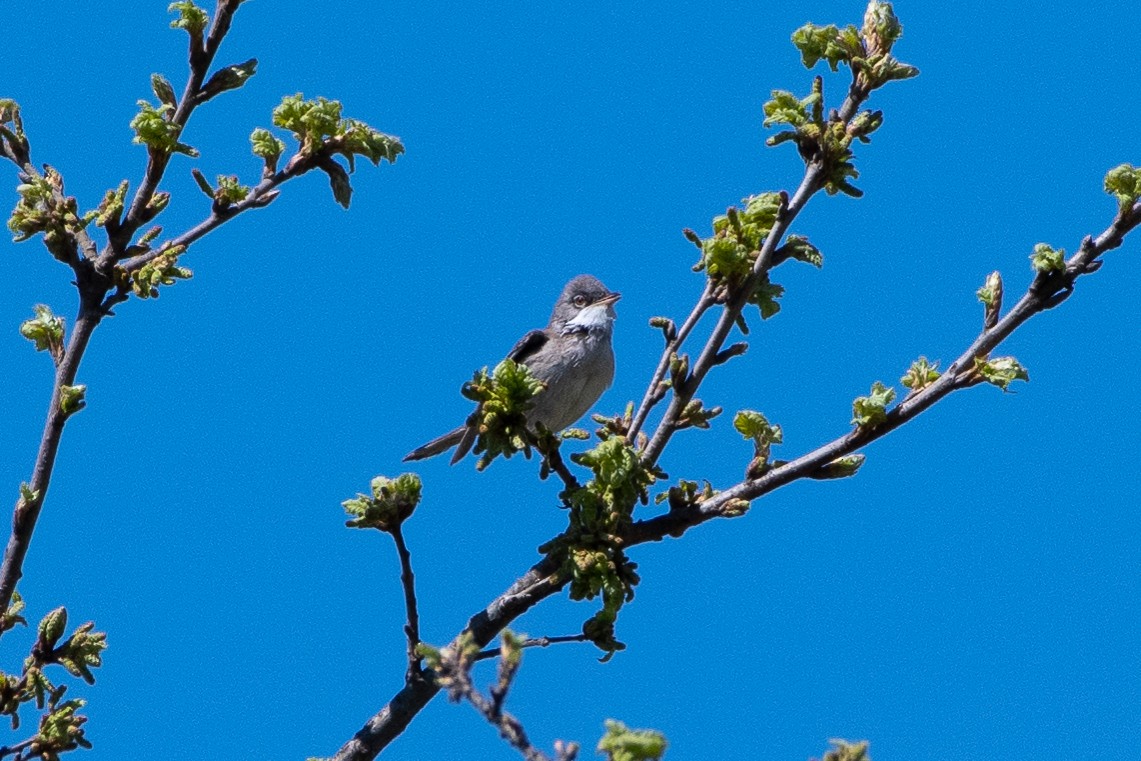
(550,448)
(28,506)
(533,642)
(539,583)
(455,672)
(408,581)
(17,749)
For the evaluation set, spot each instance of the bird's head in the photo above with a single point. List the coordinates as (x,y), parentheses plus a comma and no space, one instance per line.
(585,304)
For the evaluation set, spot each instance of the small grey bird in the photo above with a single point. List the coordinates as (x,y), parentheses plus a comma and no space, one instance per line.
(572,355)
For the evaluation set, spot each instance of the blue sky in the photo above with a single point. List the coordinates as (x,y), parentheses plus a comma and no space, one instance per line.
(972,594)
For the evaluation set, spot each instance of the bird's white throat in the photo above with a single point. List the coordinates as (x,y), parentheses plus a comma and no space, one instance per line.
(593,318)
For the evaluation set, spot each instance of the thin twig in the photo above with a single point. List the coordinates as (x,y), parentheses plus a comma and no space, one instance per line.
(18,748)
(259,196)
(493,652)
(456,672)
(408,581)
(27,511)
(653,395)
(157,160)
(554,458)
(811,183)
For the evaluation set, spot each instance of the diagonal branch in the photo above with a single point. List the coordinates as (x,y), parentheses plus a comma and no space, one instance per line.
(259,196)
(654,392)
(1042,294)
(810,184)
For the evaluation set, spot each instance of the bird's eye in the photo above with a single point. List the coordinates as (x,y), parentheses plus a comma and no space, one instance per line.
(579,301)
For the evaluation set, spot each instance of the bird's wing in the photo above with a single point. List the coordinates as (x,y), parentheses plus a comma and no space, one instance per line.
(527,346)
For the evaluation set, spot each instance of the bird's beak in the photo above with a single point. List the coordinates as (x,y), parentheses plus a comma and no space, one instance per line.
(610,299)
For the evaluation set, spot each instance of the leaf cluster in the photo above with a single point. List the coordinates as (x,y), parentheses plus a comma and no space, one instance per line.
(622,744)
(504,397)
(753,426)
(60,725)
(590,551)
(162,270)
(45,330)
(391,502)
(318,126)
(42,208)
(155,128)
(871,410)
(1123,182)
(920,375)
(729,256)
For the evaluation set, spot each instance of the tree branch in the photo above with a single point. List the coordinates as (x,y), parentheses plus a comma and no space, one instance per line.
(653,395)
(542,581)
(539,583)
(157,160)
(534,642)
(959,375)
(28,506)
(408,581)
(259,196)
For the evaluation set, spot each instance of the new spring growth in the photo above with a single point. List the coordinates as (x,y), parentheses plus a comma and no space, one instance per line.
(622,744)
(871,410)
(991,297)
(1000,371)
(322,133)
(42,208)
(45,330)
(12,617)
(920,375)
(1124,183)
(392,501)
(190,17)
(1046,260)
(162,270)
(71,399)
(842,750)
(729,256)
(753,426)
(60,730)
(153,128)
(841,467)
(590,551)
(79,653)
(504,397)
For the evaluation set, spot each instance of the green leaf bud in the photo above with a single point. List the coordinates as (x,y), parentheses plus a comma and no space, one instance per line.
(869,411)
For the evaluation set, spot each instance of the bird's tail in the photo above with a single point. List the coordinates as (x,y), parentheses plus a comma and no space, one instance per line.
(440,444)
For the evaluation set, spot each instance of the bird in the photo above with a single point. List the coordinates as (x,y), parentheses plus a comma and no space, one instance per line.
(572,356)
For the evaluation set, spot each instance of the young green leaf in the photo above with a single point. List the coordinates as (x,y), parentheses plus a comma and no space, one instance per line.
(1001,371)
(921,374)
(871,410)
(45,330)
(1124,183)
(1045,259)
